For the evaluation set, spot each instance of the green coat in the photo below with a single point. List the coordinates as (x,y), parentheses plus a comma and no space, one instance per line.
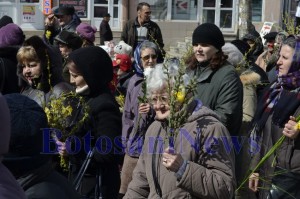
(221,91)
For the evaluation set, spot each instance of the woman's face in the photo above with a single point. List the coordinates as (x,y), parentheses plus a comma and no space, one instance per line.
(204,52)
(75,77)
(31,70)
(285,60)
(148,58)
(160,102)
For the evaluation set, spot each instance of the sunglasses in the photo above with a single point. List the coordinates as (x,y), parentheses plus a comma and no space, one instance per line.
(147,57)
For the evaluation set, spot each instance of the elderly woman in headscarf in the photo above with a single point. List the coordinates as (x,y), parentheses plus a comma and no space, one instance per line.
(276,116)
(136,116)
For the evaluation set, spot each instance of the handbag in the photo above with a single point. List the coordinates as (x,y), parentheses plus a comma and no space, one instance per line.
(79,179)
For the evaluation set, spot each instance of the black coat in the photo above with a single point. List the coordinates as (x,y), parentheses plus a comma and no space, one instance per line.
(105,32)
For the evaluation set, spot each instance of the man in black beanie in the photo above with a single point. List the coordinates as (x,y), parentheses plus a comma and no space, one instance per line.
(32,169)
(218,84)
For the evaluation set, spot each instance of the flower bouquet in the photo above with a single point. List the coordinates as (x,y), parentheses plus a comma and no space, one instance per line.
(66,114)
(181,90)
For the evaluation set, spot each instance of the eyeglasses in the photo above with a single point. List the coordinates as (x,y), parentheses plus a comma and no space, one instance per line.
(164,99)
(147,57)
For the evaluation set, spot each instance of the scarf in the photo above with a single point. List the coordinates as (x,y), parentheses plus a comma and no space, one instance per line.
(282,99)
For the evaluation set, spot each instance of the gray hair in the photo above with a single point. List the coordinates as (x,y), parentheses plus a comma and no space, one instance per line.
(158,78)
(148,44)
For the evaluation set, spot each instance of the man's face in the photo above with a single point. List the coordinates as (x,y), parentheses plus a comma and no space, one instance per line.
(144,14)
(64,50)
(107,19)
(270,45)
(64,19)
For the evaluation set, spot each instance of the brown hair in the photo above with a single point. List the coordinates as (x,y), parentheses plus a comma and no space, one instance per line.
(140,5)
(216,61)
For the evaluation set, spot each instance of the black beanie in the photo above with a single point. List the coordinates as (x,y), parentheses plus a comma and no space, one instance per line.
(95,66)
(241,45)
(208,33)
(5,20)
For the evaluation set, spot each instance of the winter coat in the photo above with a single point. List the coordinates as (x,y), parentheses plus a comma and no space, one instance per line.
(287,156)
(154,34)
(48,88)
(9,187)
(44,182)
(222,91)
(207,175)
(134,134)
(105,32)
(8,70)
(250,79)
(104,122)
(123,83)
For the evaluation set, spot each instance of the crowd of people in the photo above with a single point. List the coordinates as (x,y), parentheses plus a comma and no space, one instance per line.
(244,100)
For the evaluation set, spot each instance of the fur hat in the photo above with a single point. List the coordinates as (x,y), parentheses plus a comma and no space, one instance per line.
(86,31)
(71,39)
(5,20)
(123,61)
(234,55)
(26,141)
(11,35)
(122,48)
(208,33)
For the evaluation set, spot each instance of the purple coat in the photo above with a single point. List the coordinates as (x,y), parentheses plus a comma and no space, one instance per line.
(133,135)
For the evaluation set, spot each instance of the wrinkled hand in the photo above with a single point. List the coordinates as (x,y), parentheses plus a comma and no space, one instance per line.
(144,108)
(253,182)
(290,128)
(61,147)
(172,160)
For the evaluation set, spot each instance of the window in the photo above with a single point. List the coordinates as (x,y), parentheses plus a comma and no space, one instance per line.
(256,10)
(180,9)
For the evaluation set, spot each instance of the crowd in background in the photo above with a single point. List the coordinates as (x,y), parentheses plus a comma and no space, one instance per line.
(245,92)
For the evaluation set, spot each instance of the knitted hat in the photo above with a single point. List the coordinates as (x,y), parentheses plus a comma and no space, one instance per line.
(5,20)
(241,45)
(26,141)
(122,48)
(86,31)
(64,10)
(123,61)
(71,39)
(11,35)
(95,65)
(208,33)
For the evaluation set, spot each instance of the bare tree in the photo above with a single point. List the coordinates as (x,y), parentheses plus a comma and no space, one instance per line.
(245,17)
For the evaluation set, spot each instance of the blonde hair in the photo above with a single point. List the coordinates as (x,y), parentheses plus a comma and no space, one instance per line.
(27,53)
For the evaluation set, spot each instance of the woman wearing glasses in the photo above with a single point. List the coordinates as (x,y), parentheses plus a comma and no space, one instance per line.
(190,171)
(137,116)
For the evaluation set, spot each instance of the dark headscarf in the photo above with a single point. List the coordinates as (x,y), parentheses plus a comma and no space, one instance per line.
(95,66)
